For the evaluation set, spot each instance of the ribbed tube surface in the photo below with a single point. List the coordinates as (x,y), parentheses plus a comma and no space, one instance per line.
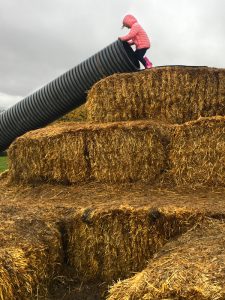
(65,92)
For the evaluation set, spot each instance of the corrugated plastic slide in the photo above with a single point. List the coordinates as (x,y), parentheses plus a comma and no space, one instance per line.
(65,93)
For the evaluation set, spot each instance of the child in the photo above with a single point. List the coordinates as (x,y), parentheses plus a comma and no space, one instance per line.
(138,37)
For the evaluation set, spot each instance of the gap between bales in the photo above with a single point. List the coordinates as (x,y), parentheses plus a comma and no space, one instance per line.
(191,267)
(42,222)
(99,245)
(111,244)
(103,246)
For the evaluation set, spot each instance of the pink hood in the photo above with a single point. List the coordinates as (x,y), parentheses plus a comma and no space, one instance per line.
(137,35)
(129,20)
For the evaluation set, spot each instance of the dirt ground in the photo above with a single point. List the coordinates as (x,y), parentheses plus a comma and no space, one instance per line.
(27,205)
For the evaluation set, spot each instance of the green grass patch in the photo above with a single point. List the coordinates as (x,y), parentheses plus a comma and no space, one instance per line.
(3,163)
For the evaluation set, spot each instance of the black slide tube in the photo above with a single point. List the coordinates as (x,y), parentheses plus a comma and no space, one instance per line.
(64,93)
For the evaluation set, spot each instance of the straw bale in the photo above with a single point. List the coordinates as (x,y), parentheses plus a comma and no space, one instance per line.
(73,152)
(107,244)
(49,154)
(127,152)
(77,115)
(30,258)
(190,268)
(197,152)
(173,94)
(4,174)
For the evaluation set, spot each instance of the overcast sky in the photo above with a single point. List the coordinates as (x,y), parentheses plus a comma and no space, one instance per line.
(41,39)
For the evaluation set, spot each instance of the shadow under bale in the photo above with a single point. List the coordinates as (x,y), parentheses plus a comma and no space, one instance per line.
(107,244)
(191,267)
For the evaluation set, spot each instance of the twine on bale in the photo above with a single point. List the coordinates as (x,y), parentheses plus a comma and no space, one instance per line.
(171,94)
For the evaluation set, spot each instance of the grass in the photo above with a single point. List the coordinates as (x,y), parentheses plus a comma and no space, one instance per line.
(3,163)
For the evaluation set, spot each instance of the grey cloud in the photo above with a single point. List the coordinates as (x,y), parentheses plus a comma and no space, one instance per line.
(185,32)
(8,100)
(42,39)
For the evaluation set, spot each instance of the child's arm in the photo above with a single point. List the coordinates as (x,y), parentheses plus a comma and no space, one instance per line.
(131,34)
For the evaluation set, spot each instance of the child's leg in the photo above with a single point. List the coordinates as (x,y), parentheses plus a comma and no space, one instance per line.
(140,56)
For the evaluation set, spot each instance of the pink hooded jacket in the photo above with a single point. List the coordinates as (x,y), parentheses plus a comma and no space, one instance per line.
(137,35)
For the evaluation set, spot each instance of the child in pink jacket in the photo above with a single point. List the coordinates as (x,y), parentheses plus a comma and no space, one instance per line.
(138,37)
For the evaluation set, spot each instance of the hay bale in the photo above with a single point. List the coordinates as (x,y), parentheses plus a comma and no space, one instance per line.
(54,153)
(4,174)
(172,94)
(197,152)
(107,244)
(21,273)
(127,152)
(14,260)
(69,153)
(192,267)
(30,258)
(77,115)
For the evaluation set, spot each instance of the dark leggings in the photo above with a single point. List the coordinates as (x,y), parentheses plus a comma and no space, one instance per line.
(139,53)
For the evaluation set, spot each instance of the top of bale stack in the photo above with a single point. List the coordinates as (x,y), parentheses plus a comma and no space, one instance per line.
(173,94)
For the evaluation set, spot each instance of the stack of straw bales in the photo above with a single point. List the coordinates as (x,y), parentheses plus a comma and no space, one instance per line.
(191,267)
(171,94)
(197,152)
(107,244)
(30,257)
(189,153)
(69,153)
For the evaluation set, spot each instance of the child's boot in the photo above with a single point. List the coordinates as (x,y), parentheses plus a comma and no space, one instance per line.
(148,63)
